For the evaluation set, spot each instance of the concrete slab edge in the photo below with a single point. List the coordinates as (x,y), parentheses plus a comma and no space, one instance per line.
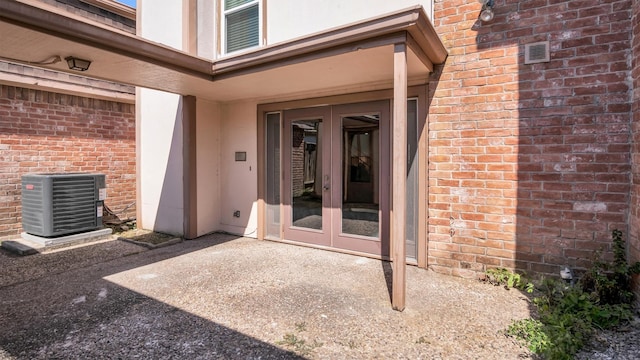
(69,239)
(29,244)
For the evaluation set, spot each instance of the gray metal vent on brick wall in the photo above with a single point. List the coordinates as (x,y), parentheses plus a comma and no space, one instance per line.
(536,52)
(62,204)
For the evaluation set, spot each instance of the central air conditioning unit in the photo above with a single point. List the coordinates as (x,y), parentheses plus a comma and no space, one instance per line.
(62,204)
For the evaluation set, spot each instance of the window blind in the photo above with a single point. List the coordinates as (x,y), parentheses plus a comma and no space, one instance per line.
(242,27)
(230,4)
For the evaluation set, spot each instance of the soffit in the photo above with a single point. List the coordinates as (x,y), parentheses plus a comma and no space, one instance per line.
(340,58)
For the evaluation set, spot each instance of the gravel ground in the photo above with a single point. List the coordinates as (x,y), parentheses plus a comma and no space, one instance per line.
(623,344)
(224,297)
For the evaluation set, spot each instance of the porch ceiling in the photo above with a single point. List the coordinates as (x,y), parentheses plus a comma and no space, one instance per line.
(335,60)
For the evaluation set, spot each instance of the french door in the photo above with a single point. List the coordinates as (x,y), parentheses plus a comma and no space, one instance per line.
(336,176)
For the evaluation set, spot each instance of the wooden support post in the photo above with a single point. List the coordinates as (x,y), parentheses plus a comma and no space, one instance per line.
(189,175)
(399,177)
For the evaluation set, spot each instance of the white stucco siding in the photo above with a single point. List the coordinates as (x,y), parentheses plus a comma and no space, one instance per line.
(160,161)
(208,166)
(160,138)
(207,29)
(239,179)
(161,21)
(288,19)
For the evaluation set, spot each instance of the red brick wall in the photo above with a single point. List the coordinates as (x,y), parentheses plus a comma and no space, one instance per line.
(47,132)
(297,162)
(529,164)
(634,218)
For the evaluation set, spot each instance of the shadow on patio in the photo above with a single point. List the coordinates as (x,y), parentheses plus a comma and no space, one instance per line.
(226,297)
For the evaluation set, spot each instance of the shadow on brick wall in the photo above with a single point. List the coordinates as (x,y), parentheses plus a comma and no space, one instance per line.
(531,163)
(573,116)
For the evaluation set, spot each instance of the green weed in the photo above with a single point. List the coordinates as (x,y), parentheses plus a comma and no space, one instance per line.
(298,344)
(508,279)
(568,315)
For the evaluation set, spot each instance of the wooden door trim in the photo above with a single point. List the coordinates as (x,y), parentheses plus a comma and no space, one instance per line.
(319,237)
(379,246)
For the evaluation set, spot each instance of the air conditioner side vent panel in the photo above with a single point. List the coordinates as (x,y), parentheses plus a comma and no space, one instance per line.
(61,204)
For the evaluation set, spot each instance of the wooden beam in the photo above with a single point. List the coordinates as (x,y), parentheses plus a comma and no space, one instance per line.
(189,167)
(423,177)
(399,177)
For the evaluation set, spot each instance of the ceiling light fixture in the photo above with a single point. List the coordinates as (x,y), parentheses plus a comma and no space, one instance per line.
(77,64)
(486,14)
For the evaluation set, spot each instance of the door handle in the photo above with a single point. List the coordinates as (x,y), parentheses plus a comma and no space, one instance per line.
(326,185)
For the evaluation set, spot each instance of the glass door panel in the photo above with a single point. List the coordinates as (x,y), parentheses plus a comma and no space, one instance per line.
(360,175)
(306,173)
(360,166)
(306,184)
(336,178)
(413,177)
(272,160)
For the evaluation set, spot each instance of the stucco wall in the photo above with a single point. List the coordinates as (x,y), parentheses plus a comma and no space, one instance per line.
(45,132)
(238,179)
(161,21)
(288,19)
(208,139)
(206,29)
(160,157)
(160,138)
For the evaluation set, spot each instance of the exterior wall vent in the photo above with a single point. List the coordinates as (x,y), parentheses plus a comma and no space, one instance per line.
(61,204)
(536,52)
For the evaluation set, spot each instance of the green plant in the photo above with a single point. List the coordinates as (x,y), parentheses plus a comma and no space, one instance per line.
(297,343)
(567,315)
(291,340)
(532,332)
(611,282)
(508,279)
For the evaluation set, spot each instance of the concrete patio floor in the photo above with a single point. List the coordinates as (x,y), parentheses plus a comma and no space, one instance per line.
(224,297)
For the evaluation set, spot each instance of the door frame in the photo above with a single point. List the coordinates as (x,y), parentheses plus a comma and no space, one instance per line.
(320,237)
(420,92)
(332,178)
(354,242)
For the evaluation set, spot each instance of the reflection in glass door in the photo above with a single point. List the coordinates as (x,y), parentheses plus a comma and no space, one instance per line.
(360,157)
(336,176)
(334,193)
(307,164)
(360,175)
(306,173)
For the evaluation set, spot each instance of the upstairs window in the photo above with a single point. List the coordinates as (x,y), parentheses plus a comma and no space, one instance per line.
(242,25)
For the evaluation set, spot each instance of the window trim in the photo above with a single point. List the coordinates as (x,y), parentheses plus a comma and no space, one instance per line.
(223,25)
